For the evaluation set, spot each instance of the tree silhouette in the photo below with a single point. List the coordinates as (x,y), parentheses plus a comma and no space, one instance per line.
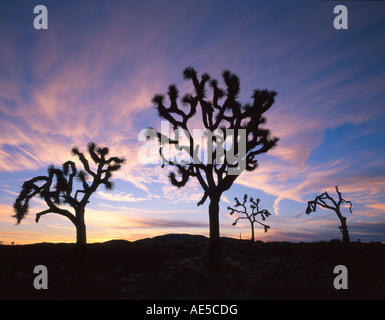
(230,119)
(57,189)
(327,202)
(254,206)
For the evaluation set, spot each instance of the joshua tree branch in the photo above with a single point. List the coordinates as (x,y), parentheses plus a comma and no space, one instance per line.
(76,194)
(341,200)
(84,161)
(62,212)
(266,227)
(203,200)
(239,218)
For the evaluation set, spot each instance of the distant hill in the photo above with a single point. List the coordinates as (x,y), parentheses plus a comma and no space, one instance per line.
(174,237)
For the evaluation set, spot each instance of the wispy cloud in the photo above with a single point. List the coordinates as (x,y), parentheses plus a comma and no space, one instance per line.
(162,223)
(121,196)
(379,209)
(80,82)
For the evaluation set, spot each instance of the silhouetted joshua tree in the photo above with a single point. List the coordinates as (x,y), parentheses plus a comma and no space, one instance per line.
(326,201)
(251,216)
(230,119)
(57,189)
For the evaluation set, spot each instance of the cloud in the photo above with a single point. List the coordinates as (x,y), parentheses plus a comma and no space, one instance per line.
(191,193)
(289,171)
(6,214)
(378,206)
(10,192)
(368,231)
(74,96)
(162,223)
(121,196)
(300,183)
(375,210)
(323,92)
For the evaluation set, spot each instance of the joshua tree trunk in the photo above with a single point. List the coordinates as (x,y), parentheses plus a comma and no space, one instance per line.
(344,229)
(215,254)
(252,232)
(81,238)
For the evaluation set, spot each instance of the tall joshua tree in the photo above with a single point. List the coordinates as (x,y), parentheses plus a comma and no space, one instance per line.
(251,216)
(223,117)
(327,202)
(58,192)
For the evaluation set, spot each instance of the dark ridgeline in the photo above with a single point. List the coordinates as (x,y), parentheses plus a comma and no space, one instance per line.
(327,202)
(251,216)
(214,177)
(57,189)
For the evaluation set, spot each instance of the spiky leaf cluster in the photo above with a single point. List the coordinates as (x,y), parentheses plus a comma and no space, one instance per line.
(220,109)
(57,188)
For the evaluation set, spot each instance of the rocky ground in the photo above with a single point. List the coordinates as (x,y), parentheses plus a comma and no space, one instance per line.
(176,267)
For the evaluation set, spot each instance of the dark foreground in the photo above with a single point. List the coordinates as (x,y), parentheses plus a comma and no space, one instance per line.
(175,267)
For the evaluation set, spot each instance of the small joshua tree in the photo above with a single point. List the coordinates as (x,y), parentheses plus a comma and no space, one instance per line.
(57,189)
(254,206)
(327,202)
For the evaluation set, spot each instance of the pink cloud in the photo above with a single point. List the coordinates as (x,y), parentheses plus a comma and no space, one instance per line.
(377,206)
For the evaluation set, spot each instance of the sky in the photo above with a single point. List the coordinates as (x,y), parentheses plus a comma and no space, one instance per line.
(92,74)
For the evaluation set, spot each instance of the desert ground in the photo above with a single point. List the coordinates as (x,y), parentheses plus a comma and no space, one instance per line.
(175,266)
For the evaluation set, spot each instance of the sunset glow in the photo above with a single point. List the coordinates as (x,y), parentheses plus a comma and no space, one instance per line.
(92,74)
